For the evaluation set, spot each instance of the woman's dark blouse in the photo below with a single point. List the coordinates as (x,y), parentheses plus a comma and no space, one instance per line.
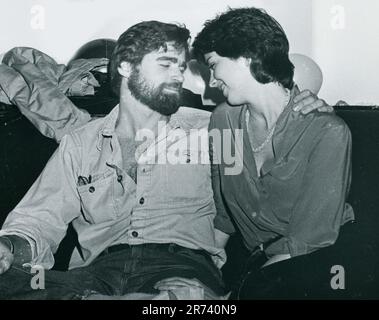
(299,198)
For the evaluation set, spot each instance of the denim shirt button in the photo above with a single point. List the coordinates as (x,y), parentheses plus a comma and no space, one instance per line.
(91,189)
(253,214)
(142,201)
(135,234)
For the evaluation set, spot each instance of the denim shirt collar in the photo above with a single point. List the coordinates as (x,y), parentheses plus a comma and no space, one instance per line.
(185,119)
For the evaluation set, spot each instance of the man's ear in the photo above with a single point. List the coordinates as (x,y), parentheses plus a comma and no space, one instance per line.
(125,69)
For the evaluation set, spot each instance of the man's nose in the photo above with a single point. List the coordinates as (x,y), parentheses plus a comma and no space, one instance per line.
(212,80)
(178,76)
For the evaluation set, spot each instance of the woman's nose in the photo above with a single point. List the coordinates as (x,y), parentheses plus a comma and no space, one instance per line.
(212,80)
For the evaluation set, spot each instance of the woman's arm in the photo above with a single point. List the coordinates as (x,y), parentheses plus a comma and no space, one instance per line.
(319,211)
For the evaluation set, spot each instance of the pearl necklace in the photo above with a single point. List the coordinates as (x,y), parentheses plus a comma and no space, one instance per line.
(270,133)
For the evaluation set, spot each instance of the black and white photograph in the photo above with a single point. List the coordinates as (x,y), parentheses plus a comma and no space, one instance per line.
(195,150)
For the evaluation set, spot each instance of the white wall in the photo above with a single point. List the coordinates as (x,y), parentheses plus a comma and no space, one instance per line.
(346,46)
(60,27)
(347,56)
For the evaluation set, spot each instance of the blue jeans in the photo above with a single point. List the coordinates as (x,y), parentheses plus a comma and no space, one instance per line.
(131,269)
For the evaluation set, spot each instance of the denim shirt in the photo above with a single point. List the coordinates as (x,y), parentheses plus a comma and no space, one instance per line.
(84,182)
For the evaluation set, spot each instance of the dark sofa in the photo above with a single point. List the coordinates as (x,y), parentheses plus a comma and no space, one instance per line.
(24,152)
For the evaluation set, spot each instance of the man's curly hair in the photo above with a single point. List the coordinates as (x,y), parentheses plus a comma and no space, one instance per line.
(249,33)
(141,39)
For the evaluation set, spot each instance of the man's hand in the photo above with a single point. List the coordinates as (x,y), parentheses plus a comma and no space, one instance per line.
(306,101)
(6,256)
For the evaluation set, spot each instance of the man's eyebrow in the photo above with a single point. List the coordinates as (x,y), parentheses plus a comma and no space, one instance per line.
(164,58)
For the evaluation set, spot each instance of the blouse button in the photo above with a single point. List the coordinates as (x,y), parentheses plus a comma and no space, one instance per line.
(91,189)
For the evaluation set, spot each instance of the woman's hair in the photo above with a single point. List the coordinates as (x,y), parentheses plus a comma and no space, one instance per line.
(141,39)
(249,33)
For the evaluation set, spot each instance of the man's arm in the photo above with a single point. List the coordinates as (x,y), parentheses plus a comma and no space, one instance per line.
(42,216)
(13,250)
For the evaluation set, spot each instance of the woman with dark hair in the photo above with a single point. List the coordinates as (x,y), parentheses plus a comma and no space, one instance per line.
(289,199)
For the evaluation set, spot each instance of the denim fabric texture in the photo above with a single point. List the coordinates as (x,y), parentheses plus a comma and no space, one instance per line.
(129,270)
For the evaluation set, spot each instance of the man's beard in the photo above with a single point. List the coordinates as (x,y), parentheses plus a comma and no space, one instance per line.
(155,97)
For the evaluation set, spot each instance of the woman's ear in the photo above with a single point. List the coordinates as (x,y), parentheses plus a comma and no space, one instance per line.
(125,69)
(244,61)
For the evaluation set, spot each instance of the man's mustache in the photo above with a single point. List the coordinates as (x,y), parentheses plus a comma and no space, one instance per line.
(173,86)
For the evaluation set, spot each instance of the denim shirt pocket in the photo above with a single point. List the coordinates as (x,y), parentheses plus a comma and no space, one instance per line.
(97,199)
(190,179)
